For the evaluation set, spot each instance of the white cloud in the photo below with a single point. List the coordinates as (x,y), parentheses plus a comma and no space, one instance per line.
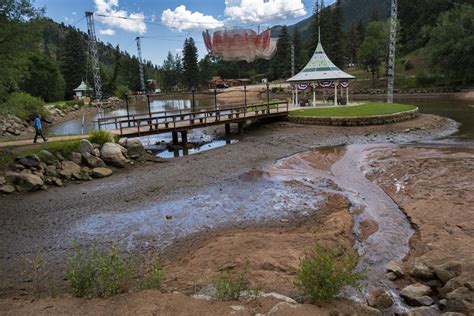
(131,22)
(108,32)
(74,13)
(263,10)
(183,19)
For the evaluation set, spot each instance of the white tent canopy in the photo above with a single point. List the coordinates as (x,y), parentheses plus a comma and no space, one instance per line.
(320,68)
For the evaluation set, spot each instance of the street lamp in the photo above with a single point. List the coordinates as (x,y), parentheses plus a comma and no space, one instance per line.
(245,93)
(193,89)
(128,111)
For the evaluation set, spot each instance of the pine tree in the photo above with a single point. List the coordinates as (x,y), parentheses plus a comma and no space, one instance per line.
(73,61)
(281,62)
(335,47)
(298,48)
(353,43)
(190,63)
(314,29)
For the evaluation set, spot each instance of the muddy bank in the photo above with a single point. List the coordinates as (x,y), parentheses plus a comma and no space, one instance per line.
(434,186)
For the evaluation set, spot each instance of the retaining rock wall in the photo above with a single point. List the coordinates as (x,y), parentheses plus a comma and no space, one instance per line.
(355,121)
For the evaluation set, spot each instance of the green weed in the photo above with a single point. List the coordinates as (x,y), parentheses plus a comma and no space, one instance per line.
(229,284)
(153,273)
(323,273)
(101,137)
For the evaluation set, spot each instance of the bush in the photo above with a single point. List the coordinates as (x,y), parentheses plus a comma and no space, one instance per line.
(153,273)
(99,273)
(23,106)
(121,90)
(322,274)
(101,137)
(229,284)
(424,80)
(408,65)
(72,103)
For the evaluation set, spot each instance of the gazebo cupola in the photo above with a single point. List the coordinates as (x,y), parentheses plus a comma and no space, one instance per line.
(320,72)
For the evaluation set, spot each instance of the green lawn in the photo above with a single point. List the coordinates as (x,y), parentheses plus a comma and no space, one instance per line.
(366,109)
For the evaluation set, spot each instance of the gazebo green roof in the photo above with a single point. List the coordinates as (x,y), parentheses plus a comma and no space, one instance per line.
(83,87)
(320,67)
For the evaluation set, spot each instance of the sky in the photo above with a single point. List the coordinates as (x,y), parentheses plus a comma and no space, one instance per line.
(164,24)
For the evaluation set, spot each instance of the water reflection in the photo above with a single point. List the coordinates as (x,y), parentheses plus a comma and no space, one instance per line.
(190,151)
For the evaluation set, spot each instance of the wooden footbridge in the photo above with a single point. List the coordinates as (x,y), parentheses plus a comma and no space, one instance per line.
(184,120)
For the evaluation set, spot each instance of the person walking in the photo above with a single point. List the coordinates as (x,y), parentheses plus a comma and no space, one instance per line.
(38,129)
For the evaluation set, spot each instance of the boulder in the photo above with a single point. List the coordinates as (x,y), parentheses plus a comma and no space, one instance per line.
(452,314)
(60,156)
(113,154)
(450,286)
(28,182)
(447,271)
(86,173)
(123,141)
(69,170)
(414,294)
(46,156)
(460,294)
(135,148)
(51,171)
(96,152)
(92,161)
(422,271)
(7,188)
(29,162)
(380,299)
(394,267)
(85,146)
(423,311)
(76,158)
(2,180)
(101,172)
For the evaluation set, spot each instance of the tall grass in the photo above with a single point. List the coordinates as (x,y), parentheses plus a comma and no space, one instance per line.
(101,137)
(230,284)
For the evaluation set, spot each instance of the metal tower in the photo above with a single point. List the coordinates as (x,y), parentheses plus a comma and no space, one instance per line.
(391,53)
(140,60)
(94,55)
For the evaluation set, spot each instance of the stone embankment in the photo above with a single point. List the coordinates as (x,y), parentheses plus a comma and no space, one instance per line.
(90,161)
(11,125)
(355,121)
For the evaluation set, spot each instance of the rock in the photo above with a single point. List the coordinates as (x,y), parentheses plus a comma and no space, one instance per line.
(86,173)
(425,301)
(380,299)
(2,180)
(455,306)
(85,146)
(447,271)
(450,286)
(92,161)
(51,171)
(460,294)
(60,156)
(76,158)
(414,292)
(394,267)
(28,182)
(17,167)
(29,162)
(46,156)
(101,172)
(70,170)
(422,271)
(11,177)
(7,188)
(391,276)
(469,284)
(96,152)
(57,182)
(453,314)
(123,141)
(113,154)
(423,311)
(135,148)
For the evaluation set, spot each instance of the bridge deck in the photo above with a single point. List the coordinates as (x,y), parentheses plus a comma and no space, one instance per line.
(183,120)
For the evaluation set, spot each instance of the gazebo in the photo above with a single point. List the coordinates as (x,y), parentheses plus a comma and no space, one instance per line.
(82,90)
(320,72)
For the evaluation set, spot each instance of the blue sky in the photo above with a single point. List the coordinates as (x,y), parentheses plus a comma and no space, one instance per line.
(170,21)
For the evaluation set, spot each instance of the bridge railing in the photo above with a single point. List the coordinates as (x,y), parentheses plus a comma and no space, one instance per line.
(185,119)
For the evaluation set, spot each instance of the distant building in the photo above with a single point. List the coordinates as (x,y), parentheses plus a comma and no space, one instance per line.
(82,91)
(220,83)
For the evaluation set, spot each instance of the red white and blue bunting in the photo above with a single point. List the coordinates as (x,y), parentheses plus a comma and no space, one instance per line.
(321,84)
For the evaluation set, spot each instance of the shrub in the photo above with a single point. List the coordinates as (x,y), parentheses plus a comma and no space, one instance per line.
(424,80)
(229,284)
(153,273)
(322,274)
(120,92)
(408,65)
(23,106)
(101,137)
(99,273)
(72,103)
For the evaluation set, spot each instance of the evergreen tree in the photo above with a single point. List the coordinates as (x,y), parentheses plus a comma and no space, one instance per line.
(335,47)
(281,62)
(206,70)
(300,59)
(44,80)
(314,29)
(190,63)
(374,48)
(375,16)
(361,30)
(73,61)
(111,86)
(353,43)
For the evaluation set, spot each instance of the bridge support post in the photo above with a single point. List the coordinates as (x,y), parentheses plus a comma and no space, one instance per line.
(175,138)
(184,138)
(241,128)
(227,129)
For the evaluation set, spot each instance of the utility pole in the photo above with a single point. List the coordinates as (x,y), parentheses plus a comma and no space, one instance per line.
(142,74)
(391,53)
(292,59)
(94,55)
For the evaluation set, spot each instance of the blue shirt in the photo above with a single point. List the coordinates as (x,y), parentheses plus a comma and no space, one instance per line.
(38,123)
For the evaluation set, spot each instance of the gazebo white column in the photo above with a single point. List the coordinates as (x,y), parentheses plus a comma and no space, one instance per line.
(296,91)
(335,92)
(314,94)
(347,95)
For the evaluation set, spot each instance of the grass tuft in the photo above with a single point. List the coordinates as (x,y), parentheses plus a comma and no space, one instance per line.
(230,284)
(323,273)
(101,137)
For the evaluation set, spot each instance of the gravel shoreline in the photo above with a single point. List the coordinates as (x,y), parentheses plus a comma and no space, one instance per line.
(39,222)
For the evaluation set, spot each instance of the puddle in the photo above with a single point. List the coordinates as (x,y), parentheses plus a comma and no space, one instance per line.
(191,151)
